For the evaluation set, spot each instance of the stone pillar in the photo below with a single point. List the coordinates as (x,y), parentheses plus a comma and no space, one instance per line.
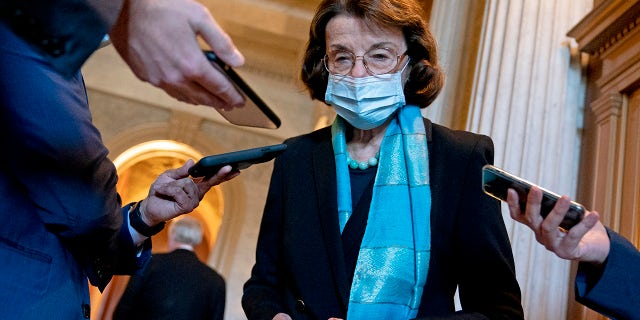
(457,49)
(527,93)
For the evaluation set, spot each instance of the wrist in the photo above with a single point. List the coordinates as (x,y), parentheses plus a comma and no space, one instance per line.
(142,207)
(140,224)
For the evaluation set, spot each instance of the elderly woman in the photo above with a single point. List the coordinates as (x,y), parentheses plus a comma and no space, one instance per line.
(381,215)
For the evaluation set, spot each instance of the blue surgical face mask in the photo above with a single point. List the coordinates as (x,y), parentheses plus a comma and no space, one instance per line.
(366,102)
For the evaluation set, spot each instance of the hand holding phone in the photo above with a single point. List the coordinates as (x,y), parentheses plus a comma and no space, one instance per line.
(496,182)
(238,160)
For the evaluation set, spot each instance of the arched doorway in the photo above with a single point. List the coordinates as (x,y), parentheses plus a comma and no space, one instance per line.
(137,168)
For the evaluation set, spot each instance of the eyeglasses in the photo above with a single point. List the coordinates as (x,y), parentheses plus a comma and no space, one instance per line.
(377,61)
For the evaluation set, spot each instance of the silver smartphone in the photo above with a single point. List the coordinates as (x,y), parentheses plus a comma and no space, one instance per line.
(255,113)
(496,182)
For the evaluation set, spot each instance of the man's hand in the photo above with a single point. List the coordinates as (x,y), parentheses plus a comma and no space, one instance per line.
(173,193)
(587,241)
(159,41)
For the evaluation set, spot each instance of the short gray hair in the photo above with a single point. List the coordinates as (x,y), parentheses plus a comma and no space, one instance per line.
(186,229)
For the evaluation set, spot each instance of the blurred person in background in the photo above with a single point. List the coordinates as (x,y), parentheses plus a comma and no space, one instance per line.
(175,285)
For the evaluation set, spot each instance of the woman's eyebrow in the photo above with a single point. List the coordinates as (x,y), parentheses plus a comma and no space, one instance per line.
(338,47)
(378,45)
(384,44)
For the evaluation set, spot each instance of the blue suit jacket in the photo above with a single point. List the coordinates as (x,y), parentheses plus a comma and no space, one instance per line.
(64,32)
(615,290)
(61,217)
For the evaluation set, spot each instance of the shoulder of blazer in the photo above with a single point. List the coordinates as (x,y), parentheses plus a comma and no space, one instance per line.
(456,138)
(449,144)
(316,136)
(65,32)
(307,143)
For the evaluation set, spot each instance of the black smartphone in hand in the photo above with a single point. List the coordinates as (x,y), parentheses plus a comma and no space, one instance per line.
(238,160)
(496,182)
(255,112)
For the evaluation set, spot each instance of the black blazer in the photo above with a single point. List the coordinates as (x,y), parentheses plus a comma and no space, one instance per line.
(300,268)
(173,286)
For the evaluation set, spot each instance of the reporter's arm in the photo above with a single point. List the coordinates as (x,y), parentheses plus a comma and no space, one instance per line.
(613,288)
(159,41)
(609,270)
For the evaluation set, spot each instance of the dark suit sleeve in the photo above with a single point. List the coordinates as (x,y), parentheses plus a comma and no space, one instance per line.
(614,290)
(59,161)
(65,32)
(486,267)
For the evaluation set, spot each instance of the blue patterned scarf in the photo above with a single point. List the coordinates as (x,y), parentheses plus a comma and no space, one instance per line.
(393,261)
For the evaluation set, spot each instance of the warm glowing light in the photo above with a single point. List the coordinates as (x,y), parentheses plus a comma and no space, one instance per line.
(152,149)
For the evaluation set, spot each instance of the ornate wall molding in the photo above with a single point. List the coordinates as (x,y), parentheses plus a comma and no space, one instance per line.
(606,25)
(607,106)
(621,34)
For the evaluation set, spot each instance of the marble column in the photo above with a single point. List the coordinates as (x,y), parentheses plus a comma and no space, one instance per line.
(527,93)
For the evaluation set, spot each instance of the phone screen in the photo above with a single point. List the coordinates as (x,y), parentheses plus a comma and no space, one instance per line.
(496,182)
(255,113)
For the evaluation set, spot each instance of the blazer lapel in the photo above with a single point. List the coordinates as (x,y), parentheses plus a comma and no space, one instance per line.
(438,170)
(326,190)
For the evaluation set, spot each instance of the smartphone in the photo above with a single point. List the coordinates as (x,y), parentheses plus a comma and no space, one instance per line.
(496,182)
(255,112)
(238,160)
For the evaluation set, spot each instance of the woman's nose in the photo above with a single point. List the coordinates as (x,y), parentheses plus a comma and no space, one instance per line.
(359,70)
